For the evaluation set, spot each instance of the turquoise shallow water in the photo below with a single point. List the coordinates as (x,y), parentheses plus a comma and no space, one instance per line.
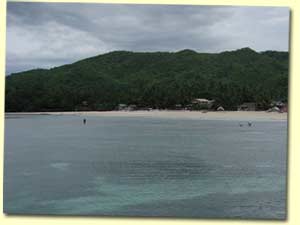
(128,166)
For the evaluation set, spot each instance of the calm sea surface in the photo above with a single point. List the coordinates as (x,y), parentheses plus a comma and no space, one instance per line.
(144,167)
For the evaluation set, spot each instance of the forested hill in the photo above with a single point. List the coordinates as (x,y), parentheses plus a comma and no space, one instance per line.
(157,80)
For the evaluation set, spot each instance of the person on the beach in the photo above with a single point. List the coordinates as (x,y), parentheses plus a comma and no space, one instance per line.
(249,124)
(84,121)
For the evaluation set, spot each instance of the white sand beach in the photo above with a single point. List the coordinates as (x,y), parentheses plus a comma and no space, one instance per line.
(224,115)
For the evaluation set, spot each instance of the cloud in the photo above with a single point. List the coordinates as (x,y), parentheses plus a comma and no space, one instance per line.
(43,35)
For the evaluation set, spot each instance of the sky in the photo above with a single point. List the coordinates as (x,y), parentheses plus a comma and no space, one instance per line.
(45,35)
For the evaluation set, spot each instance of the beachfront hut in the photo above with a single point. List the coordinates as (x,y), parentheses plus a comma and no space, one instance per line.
(280,105)
(284,108)
(247,106)
(274,109)
(178,106)
(132,107)
(122,107)
(84,106)
(202,103)
(220,108)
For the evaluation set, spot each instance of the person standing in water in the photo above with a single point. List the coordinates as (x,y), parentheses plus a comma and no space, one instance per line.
(84,121)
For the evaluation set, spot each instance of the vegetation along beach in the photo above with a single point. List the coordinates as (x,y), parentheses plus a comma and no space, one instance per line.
(159,80)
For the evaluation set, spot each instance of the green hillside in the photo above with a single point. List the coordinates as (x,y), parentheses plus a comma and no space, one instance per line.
(157,80)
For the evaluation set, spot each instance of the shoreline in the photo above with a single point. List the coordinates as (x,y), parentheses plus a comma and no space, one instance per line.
(175,114)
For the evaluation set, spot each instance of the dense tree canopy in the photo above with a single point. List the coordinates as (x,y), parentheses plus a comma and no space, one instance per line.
(157,80)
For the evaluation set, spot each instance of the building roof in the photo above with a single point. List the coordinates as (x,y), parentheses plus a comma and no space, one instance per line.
(202,100)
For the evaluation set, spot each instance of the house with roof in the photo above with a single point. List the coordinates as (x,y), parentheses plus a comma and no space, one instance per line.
(202,103)
(247,106)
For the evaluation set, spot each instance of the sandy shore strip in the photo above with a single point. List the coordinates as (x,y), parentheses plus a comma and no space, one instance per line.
(180,114)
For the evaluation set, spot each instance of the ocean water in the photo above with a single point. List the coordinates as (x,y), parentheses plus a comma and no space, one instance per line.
(126,166)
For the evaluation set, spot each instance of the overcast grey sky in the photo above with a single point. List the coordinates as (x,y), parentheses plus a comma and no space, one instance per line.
(43,35)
